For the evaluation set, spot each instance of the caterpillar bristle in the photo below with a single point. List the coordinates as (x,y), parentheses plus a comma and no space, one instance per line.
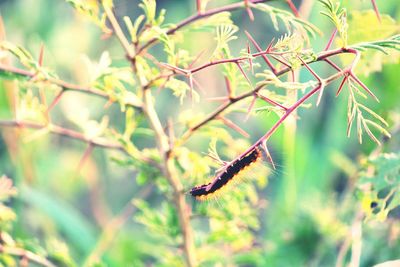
(229,175)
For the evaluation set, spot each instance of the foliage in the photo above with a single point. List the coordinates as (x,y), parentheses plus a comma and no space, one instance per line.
(379,185)
(78,205)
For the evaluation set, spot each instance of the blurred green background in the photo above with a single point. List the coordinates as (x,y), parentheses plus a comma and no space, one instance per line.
(310,200)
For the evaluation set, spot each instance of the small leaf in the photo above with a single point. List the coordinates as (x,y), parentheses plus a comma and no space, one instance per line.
(141,178)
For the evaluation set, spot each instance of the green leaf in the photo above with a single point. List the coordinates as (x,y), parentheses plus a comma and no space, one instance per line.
(133,29)
(210,23)
(141,178)
(90,9)
(366,32)
(338,17)
(379,182)
(180,89)
(291,22)
(149,9)
(20,53)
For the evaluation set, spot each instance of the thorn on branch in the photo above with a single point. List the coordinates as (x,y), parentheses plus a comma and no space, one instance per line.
(190,77)
(310,70)
(330,62)
(248,10)
(244,73)
(293,8)
(174,68)
(331,39)
(84,158)
(41,53)
(198,6)
(228,87)
(269,157)
(233,126)
(196,58)
(269,47)
(250,58)
(378,15)
(354,77)
(269,63)
(55,101)
(109,102)
(199,87)
(274,103)
(253,101)
(320,80)
(342,84)
(283,62)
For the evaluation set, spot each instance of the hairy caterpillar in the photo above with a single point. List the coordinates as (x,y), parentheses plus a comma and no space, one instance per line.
(205,191)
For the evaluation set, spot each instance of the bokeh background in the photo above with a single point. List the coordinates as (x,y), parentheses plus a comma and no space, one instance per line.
(310,201)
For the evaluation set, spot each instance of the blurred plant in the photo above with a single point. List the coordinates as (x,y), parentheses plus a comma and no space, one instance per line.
(25,252)
(225,231)
(379,185)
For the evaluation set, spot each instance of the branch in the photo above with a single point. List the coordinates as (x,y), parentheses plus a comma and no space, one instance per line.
(65,86)
(218,111)
(322,56)
(199,16)
(288,112)
(118,31)
(235,60)
(96,141)
(168,168)
(170,172)
(26,254)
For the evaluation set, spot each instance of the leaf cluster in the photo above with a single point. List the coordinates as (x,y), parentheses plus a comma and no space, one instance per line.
(379,185)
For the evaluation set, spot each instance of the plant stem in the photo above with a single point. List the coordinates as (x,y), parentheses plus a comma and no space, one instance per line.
(58,130)
(118,31)
(168,167)
(199,16)
(26,254)
(321,56)
(169,171)
(97,141)
(65,86)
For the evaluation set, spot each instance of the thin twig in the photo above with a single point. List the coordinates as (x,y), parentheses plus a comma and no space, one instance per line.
(170,172)
(198,16)
(96,141)
(322,56)
(288,112)
(66,86)
(118,31)
(26,254)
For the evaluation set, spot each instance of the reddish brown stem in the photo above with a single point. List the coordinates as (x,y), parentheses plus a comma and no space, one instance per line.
(293,8)
(266,136)
(266,59)
(63,84)
(196,17)
(27,255)
(322,56)
(331,39)
(378,15)
(274,103)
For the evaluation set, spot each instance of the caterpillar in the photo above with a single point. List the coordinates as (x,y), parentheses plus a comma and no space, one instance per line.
(204,191)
